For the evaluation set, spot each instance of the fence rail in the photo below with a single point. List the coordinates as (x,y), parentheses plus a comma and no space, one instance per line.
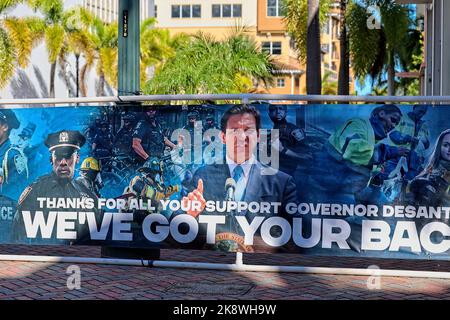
(246,98)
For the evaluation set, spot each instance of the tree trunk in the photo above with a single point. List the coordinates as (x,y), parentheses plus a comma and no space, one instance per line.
(52,79)
(77,68)
(101,86)
(391,76)
(83,74)
(313,63)
(344,66)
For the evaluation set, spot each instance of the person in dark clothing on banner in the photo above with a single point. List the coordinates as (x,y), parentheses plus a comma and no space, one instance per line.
(148,137)
(13,162)
(64,147)
(253,181)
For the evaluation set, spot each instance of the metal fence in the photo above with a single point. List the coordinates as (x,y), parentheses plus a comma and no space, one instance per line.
(245,98)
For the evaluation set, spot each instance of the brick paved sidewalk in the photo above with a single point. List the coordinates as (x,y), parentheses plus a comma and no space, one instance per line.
(37,280)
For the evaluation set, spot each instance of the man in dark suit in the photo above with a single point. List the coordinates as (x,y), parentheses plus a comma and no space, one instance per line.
(253,181)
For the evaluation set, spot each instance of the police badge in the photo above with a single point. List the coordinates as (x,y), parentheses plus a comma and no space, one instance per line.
(63,137)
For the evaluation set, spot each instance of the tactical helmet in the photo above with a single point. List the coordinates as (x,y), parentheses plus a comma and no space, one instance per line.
(90,163)
(193,114)
(126,116)
(153,166)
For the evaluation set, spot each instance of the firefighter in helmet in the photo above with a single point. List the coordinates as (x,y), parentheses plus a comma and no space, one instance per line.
(90,175)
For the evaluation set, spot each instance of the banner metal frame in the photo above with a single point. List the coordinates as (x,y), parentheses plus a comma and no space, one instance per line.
(239,263)
(244,98)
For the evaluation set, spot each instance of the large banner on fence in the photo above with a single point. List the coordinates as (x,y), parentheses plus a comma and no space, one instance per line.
(355,180)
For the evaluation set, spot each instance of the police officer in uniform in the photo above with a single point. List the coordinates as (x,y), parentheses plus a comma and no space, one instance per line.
(148,137)
(13,163)
(291,139)
(103,142)
(64,147)
(123,141)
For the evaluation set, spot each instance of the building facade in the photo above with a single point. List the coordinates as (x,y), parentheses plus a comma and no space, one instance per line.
(108,10)
(261,19)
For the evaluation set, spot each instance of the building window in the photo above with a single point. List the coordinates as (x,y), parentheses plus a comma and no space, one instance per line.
(335,51)
(216,10)
(275,8)
(196,11)
(226,10)
(335,27)
(292,44)
(333,66)
(281,83)
(272,47)
(237,10)
(176,11)
(186,11)
(156,11)
(326,27)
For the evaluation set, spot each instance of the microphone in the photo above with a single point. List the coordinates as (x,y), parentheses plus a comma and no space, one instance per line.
(230,187)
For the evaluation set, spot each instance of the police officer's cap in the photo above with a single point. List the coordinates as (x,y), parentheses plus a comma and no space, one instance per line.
(104,124)
(65,138)
(10,118)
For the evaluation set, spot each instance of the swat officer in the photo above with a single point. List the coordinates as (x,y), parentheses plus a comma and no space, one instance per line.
(291,138)
(148,137)
(13,163)
(64,148)
(193,123)
(103,142)
(123,140)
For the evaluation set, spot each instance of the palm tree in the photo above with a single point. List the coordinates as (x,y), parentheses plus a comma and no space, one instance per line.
(78,22)
(157,46)
(329,86)
(344,65)
(376,52)
(64,33)
(205,65)
(313,66)
(102,51)
(55,33)
(18,36)
(303,20)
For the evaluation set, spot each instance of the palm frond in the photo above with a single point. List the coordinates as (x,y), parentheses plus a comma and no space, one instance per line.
(205,65)
(296,21)
(365,43)
(108,65)
(54,39)
(7,58)
(8,4)
(21,38)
